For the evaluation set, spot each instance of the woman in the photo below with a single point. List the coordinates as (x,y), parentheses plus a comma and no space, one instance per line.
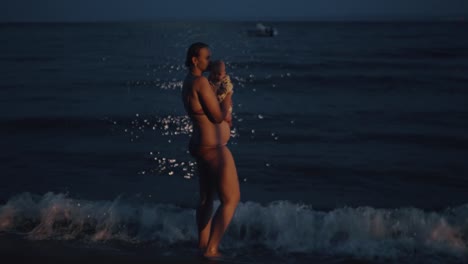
(216,167)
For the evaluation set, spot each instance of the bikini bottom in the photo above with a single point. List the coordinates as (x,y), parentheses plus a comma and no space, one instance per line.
(195,149)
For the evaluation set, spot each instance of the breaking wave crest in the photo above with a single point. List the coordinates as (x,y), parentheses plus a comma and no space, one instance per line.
(281,226)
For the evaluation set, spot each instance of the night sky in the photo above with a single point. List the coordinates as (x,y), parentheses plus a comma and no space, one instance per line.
(120,10)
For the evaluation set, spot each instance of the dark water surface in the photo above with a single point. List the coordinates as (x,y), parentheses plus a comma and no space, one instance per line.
(350,138)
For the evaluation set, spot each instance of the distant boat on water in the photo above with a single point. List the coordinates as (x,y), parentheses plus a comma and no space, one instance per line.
(262,31)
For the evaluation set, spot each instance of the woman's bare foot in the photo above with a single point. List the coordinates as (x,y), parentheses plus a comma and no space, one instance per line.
(212,254)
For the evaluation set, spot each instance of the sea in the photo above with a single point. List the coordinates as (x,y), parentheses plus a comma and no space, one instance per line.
(350,140)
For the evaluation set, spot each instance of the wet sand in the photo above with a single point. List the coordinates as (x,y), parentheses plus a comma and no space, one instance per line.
(16,249)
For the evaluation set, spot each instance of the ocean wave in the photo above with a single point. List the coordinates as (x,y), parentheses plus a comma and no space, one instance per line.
(169,124)
(281,227)
(429,53)
(29,59)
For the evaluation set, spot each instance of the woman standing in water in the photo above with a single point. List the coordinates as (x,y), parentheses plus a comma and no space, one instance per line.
(216,167)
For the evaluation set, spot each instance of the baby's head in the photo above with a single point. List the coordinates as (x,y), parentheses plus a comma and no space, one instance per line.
(218,70)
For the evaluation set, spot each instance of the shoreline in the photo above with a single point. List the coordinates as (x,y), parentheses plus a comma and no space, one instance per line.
(17,249)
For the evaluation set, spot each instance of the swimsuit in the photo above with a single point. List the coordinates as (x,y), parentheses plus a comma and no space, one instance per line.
(195,148)
(225,86)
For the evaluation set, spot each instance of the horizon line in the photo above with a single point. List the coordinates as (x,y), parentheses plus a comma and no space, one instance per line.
(460,19)
(369,18)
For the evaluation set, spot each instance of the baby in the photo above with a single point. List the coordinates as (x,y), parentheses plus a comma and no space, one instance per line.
(220,80)
(221,83)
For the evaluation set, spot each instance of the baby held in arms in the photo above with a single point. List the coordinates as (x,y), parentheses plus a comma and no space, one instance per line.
(221,84)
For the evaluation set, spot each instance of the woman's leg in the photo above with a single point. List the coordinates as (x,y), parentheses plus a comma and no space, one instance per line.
(205,207)
(227,185)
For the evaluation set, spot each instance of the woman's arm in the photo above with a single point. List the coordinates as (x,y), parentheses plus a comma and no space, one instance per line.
(214,111)
(228,117)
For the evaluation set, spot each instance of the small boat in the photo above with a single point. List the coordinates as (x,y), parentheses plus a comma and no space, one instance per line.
(262,31)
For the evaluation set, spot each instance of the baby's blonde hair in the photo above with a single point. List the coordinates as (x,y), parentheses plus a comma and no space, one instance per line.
(215,65)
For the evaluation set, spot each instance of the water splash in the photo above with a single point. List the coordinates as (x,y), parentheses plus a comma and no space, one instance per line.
(281,227)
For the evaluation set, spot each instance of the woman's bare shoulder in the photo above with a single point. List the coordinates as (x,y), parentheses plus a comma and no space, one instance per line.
(200,80)
(201,83)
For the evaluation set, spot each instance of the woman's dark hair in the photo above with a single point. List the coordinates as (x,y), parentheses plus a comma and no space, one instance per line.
(194,51)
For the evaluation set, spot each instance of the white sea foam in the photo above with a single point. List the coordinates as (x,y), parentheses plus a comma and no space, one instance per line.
(281,226)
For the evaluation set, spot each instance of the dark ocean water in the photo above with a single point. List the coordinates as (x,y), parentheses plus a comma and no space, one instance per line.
(350,139)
